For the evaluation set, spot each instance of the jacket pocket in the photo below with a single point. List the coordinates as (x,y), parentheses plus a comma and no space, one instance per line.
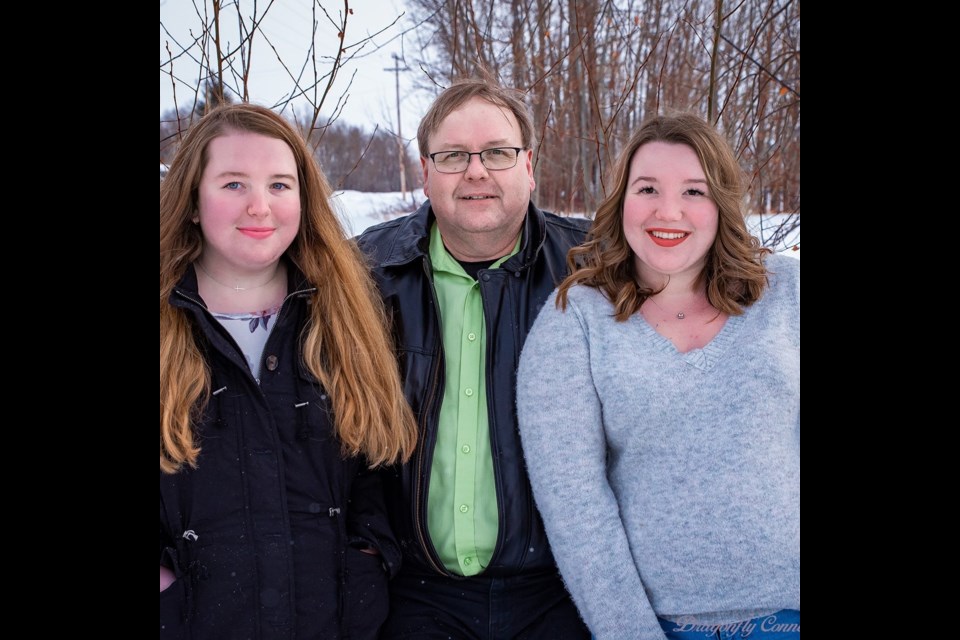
(173,608)
(365,595)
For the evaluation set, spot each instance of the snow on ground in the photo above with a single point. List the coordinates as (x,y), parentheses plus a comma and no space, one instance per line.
(359,211)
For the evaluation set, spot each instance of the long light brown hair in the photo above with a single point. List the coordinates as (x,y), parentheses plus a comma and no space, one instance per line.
(734,272)
(345,343)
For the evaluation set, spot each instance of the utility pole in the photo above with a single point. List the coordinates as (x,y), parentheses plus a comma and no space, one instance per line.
(400,154)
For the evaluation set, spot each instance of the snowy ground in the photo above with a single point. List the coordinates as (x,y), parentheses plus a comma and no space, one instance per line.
(358,211)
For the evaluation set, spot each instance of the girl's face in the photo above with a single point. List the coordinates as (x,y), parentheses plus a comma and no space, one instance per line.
(249,203)
(669,217)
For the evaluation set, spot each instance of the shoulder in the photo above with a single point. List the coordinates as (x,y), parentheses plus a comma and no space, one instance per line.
(559,338)
(379,230)
(565,231)
(570,224)
(395,240)
(559,235)
(777,262)
(377,235)
(783,290)
(585,305)
(784,271)
(587,298)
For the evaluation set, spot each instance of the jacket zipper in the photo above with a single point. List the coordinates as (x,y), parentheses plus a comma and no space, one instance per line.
(419,480)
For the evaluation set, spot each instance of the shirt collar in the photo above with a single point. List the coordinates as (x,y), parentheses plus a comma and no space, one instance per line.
(442,260)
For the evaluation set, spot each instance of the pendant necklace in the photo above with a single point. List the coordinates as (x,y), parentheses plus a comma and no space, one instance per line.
(680,314)
(238,288)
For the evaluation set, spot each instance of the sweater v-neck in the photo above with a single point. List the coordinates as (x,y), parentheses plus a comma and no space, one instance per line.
(706,357)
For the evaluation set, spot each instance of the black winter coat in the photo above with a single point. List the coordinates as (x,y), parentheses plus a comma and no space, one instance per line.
(512,296)
(263,535)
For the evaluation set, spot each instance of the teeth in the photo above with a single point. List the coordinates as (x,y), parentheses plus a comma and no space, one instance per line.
(663,235)
(475,197)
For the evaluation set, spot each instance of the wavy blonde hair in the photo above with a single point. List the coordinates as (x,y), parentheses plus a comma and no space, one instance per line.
(345,343)
(734,272)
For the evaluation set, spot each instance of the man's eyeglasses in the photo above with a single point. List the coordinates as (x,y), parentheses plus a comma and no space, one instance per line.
(495,159)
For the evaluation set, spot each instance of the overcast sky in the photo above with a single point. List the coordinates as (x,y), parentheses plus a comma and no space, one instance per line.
(287,26)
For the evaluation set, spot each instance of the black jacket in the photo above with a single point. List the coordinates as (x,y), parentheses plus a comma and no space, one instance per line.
(512,296)
(263,536)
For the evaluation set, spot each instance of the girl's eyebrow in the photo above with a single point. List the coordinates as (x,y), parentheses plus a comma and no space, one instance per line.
(687,181)
(240,174)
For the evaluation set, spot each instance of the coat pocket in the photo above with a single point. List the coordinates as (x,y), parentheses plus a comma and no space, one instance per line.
(173,608)
(365,595)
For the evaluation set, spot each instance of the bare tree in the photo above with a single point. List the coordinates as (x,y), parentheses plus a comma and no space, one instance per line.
(353,159)
(214,66)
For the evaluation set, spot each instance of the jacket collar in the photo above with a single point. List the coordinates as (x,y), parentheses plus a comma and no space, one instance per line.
(412,239)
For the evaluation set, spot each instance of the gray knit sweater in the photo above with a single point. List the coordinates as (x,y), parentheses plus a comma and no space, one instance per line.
(669,483)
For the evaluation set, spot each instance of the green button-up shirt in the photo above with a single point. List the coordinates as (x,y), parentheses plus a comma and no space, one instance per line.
(462,504)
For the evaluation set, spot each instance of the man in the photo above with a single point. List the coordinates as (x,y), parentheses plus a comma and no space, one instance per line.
(463,279)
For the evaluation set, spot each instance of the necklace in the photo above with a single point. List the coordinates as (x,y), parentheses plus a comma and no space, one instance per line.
(680,314)
(238,288)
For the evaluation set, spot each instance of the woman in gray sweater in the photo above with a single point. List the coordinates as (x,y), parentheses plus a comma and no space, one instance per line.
(659,405)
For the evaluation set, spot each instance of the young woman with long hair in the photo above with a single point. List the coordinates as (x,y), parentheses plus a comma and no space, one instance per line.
(279,395)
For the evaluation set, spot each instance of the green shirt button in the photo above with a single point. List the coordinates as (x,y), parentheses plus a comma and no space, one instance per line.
(465,448)
(468,393)
(471,336)
(464,508)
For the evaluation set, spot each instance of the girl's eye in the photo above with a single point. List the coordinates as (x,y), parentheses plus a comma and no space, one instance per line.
(279,186)
(645,190)
(233,186)
(696,192)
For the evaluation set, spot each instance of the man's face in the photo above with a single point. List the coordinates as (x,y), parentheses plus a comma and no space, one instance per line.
(478,204)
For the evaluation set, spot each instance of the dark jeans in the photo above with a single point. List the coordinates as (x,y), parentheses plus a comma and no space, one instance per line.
(522,607)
